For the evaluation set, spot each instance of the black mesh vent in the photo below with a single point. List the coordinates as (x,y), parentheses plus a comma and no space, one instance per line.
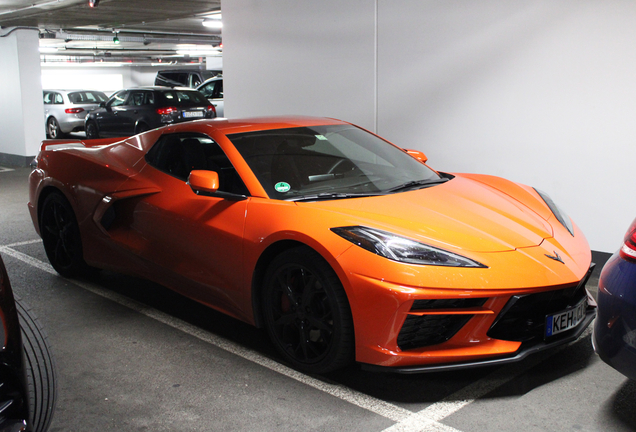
(448,303)
(523,317)
(421,331)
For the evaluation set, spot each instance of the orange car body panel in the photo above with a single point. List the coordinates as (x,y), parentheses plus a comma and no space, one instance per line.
(208,248)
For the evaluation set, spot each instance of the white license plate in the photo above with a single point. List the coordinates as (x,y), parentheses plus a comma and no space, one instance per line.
(188,114)
(565,320)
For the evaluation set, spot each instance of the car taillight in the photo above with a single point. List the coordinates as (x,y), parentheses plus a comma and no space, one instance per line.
(628,251)
(166,110)
(73,110)
(211,108)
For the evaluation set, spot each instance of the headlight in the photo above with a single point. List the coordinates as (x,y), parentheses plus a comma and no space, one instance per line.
(558,213)
(402,249)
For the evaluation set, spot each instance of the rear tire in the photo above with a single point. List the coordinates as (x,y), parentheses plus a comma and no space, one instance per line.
(53,130)
(40,368)
(91,130)
(61,236)
(307,313)
(141,127)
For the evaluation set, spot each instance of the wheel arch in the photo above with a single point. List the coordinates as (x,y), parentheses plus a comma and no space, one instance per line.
(258,276)
(141,123)
(44,193)
(264,260)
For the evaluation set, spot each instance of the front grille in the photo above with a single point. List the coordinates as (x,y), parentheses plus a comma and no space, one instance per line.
(523,317)
(421,331)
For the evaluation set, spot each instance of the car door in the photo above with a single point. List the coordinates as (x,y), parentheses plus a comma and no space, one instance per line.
(108,119)
(213,91)
(135,110)
(193,242)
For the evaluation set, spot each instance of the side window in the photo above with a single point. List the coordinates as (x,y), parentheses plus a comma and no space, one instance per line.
(58,99)
(150,98)
(47,98)
(194,80)
(180,77)
(178,154)
(208,89)
(118,99)
(136,98)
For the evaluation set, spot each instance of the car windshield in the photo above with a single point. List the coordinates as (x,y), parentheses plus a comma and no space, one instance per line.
(329,162)
(184,98)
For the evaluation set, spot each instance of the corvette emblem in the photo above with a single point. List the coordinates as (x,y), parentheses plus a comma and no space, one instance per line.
(556,257)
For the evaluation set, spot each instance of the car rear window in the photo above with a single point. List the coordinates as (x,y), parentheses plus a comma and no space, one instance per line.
(82,97)
(184,98)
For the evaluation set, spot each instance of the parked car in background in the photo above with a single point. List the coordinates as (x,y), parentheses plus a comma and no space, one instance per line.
(132,111)
(27,371)
(213,90)
(65,110)
(184,77)
(614,335)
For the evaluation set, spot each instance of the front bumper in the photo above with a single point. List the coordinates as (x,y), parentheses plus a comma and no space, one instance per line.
(521,354)
(392,321)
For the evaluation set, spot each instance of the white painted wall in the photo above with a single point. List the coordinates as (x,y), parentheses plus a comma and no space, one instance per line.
(540,92)
(21,94)
(105,78)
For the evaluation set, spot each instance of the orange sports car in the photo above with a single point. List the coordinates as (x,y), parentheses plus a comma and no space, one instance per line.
(342,245)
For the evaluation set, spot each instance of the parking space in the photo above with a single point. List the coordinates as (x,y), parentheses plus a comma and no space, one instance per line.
(132,355)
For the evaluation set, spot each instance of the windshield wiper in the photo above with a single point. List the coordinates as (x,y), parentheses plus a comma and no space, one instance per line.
(417,184)
(331,196)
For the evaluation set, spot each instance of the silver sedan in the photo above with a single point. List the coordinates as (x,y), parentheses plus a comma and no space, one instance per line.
(64,110)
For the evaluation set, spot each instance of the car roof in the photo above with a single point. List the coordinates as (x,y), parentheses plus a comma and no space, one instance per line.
(216,78)
(239,125)
(158,88)
(71,90)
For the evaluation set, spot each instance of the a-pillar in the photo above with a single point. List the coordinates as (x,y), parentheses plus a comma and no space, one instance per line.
(21,107)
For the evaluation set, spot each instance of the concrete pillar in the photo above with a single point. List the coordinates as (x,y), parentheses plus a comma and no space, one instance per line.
(21,107)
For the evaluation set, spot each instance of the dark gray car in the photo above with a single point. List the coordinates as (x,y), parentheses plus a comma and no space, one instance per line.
(65,110)
(132,111)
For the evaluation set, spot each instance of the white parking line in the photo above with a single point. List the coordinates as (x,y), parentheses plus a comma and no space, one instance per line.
(362,400)
(428,419)
(3,169)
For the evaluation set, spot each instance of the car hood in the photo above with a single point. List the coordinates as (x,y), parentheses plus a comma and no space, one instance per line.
(461,214)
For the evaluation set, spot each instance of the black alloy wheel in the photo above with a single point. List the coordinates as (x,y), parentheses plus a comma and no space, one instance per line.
(307,313)
(91,130)
(53,130)
(61,236)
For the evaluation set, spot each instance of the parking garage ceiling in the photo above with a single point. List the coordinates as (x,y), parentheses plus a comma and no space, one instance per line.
(117,30)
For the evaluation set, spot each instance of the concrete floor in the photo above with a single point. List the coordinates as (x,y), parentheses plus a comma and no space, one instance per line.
(132,355)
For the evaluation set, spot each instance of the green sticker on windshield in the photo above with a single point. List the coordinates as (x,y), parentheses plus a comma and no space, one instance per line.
(322,137)
(282,187)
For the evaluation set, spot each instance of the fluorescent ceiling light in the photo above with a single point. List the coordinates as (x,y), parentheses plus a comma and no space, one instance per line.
(45,49)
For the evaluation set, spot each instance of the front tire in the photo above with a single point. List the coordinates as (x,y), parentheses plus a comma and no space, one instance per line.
(40,369)
(307,313)
(61,236)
